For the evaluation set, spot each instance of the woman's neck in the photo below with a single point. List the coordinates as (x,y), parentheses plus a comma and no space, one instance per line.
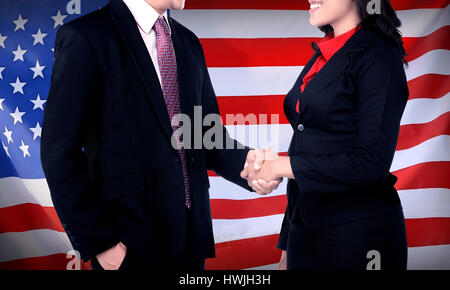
(349,22)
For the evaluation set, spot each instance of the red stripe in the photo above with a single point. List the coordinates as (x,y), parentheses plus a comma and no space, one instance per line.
(431,86)
(230,52)
(51,262)
(417,46)
(246,253)
(414,134)
(298,5)
(241,209)
(255,105)
(28,216)
(428,232)
(424,175)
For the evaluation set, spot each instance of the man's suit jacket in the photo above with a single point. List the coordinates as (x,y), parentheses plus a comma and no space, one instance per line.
(106,141)
(345,135)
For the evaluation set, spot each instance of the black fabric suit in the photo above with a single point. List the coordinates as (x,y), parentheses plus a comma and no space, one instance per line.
(341,152)
(106,151)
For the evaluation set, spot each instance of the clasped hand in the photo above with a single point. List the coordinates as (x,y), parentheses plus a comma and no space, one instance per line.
(260,172)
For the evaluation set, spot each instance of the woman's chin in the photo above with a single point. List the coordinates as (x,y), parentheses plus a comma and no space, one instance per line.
(316,22)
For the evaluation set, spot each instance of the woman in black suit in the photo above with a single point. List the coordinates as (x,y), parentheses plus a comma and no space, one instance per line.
(345,108)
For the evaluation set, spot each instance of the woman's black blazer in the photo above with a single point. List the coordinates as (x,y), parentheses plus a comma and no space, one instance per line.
(346,134)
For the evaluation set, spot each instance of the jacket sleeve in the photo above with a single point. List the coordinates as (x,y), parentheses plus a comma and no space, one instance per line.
(228,160)
(68,118)
(284,232)
(381,94)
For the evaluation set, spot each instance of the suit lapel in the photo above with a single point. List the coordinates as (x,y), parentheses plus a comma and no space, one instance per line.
(334,66)
(292,97)
(126,25)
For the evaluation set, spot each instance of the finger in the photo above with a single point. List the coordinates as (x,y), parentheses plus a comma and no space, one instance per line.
(262,187)
(266,186)
(259,159)
(244,173)
(250,157)
(256,187)
(274,184)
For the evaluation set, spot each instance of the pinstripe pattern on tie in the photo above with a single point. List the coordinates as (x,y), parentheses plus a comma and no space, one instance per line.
(169,82)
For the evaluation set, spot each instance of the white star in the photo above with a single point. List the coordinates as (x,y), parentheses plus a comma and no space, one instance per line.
(36,130)
(59,19)
(1,70)
(24,149)
(38,103)
(18,86)
(2,40)
(6,150)
(17,115)
(37,70)
(39,37)
(20,23)
(1,102)
(8,135)
(18,54)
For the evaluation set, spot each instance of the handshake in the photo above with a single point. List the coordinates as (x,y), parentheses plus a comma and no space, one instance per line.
(260,171)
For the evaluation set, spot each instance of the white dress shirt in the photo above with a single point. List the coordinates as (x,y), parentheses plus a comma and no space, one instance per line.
(146,17)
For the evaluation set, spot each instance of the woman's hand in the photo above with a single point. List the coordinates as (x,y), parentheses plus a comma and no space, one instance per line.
(283,261)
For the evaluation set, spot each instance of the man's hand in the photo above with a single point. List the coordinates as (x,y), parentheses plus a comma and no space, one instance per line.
(112,258)
(256,160)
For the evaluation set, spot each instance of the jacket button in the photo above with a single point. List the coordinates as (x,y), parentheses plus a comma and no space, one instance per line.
(301,127)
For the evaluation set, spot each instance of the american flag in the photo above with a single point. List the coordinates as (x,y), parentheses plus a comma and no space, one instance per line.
(255,50)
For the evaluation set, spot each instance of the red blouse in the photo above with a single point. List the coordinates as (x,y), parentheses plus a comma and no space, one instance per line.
(328,46)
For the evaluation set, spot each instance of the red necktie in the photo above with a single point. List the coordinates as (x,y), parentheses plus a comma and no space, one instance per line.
(169,80)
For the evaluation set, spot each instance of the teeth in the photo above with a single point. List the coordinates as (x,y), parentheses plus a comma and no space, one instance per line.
(313,6)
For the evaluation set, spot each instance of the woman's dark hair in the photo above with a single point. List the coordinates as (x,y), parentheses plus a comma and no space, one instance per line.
(384,22)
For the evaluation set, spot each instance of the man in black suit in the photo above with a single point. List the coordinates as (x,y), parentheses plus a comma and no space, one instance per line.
(125,195)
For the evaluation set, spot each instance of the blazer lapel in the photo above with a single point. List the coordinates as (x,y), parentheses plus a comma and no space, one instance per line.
(334,66)
(126,25)
(292,97)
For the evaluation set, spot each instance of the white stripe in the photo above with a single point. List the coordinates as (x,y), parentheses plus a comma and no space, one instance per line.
(434,149)
(277,136)
(254,81)
(237,229)
(33,243)
(423,110)
(16,190)
(290,23)
(425,202)
(433,62)
(417,203)
(247,23)
(223,189)
(278,80)
(429,258)
(265,267)
(421,22)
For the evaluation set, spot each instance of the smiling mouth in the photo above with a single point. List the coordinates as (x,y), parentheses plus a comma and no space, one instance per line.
(314,6)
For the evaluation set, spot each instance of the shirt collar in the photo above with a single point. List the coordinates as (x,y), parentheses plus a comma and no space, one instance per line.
(145,15)
(329,45)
